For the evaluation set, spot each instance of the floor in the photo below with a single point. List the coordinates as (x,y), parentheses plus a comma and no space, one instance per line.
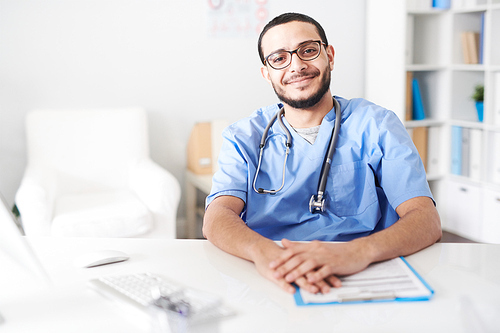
(448,237)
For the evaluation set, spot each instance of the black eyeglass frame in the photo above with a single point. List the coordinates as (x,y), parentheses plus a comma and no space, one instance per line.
(320,42)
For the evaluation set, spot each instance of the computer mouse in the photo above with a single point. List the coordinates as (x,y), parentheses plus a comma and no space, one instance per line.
(98,258)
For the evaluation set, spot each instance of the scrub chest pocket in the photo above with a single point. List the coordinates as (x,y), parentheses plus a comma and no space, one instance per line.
(353,188)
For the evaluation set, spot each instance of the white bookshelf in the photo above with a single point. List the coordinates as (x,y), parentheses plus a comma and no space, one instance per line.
(411,36)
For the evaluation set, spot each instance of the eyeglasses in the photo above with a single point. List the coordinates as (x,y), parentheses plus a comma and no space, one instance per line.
(306,52)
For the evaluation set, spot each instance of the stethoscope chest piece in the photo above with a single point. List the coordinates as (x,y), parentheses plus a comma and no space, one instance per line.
(316,204)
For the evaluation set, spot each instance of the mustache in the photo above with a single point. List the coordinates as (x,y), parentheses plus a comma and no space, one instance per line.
(306,74)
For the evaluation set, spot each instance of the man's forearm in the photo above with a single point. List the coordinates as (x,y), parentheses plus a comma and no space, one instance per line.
(223,227)
(418,228)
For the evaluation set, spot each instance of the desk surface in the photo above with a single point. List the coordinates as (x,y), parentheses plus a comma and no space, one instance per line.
(466,279)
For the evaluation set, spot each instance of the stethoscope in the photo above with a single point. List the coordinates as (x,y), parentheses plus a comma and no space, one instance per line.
(317,202)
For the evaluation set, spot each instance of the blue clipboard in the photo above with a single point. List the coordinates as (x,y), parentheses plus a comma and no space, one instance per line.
(300,302)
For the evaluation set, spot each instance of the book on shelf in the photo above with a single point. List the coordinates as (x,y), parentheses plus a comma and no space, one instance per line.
(420,139)
(465,48)
(433,151)
(456,150)
(470,46)
(441,4)
(475,140)
(418,104)
(473,46)
(465,152)
(466,146)
(409,96)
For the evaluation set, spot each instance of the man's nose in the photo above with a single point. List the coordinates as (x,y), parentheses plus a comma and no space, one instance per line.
(297,64)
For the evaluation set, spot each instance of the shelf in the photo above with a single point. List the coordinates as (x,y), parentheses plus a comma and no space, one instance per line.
(423,123)
(424,68)
(460,123)
(468,124)
(430,11)
(468,67)
(492,128)
(474,182)
(475,9)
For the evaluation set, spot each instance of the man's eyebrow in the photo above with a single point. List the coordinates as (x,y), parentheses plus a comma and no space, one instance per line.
(296,46)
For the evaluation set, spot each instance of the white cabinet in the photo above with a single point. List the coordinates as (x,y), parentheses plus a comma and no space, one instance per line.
(409,40)
(491,216)
(463,213)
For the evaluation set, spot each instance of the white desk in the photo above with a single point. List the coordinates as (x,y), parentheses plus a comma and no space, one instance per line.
(466,278)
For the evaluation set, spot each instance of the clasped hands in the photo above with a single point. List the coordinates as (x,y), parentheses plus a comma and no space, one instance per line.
(315,266)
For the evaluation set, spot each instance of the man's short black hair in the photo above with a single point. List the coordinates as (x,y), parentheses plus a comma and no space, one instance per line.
(286,18)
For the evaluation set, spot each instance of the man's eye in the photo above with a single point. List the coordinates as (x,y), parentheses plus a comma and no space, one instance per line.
(278,59)
(309,50)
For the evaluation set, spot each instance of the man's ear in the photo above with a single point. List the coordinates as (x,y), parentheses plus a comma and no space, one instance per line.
(330,52)
(265,74)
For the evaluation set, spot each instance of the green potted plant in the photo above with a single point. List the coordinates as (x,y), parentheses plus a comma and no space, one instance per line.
(478,97)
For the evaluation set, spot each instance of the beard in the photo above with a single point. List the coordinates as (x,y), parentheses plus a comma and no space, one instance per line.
(310,101)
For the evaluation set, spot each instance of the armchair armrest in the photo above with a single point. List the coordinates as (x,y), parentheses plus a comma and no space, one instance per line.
(35,201)
(160,191)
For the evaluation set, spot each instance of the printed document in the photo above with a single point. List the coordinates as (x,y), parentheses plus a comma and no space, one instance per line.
(388,280)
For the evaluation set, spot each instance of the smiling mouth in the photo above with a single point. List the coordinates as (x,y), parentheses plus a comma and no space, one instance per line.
(299,79)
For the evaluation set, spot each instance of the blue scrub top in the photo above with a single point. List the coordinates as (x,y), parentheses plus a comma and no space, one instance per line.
(375,168)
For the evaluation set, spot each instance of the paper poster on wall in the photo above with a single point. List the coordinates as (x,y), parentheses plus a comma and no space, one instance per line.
(236,18)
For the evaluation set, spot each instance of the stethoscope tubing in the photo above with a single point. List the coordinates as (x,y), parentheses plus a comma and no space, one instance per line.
(288,144)
(328,158)
(331,149)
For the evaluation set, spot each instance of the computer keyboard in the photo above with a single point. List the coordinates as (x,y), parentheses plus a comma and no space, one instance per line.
(147,291)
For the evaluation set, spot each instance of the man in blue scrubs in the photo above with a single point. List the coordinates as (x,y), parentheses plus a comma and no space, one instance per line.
(377,199)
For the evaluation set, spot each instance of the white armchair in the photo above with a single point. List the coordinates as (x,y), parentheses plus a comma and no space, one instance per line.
(89,174)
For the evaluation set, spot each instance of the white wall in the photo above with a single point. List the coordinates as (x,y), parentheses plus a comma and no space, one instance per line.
(156,54)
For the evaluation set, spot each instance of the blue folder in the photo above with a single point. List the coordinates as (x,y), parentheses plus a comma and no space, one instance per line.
(300,302)
(456,150)
(418,103)
(442,4)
